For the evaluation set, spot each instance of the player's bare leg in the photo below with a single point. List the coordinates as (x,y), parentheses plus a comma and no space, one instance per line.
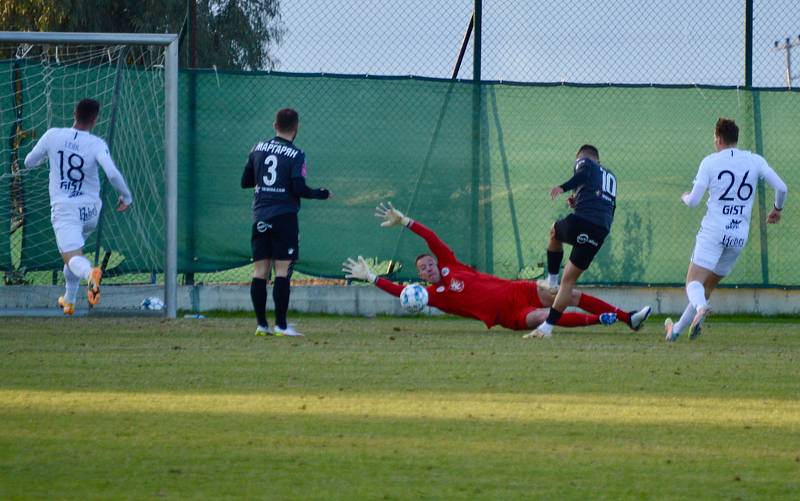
(258,294)
(535,318)
(280,295)
(711,283)
(548,297)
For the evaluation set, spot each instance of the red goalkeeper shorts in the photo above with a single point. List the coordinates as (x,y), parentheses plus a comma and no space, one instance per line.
(522,298)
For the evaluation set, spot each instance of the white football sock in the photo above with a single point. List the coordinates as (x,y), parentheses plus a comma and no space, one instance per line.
(685,320)
(80,266)
(696,294)
(552,280)
(72,285)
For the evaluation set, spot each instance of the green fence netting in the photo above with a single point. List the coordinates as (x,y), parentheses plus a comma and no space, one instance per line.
(411,141)
(131,126)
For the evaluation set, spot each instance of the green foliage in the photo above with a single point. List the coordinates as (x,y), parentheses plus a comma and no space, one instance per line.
(231,34)
(395,408)
(626,251)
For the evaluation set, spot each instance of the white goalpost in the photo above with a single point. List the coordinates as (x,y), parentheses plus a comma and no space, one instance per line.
(135,77)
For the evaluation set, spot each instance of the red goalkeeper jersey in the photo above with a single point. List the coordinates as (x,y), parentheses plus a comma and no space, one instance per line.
(463,290)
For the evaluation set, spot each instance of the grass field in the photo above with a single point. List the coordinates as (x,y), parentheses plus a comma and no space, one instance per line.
(396,408)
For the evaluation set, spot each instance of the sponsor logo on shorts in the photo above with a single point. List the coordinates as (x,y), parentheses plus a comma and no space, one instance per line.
(456,285)
(87,213)
(440,288)
(261,226)
(291,250)
(731,241)
(734,224)
(583,238)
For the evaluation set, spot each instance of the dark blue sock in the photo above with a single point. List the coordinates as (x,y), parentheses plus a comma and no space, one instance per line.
(554,259)
(280,295)
(554,316)
(258,293)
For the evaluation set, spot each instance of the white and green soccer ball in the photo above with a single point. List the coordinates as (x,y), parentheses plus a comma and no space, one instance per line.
(153,303)
(414,298)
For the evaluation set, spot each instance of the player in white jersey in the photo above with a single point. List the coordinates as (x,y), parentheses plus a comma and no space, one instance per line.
(730,176)
(74,154)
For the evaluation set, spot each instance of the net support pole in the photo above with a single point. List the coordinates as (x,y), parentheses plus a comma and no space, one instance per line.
(476,135)
(748,43)
(171,181)
(757,136)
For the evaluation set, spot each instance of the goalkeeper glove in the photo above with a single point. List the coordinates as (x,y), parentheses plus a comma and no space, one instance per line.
(391,216)
(358,270)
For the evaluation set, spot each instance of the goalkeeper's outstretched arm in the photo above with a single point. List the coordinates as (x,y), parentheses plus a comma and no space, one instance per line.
(359,270)
(393,217)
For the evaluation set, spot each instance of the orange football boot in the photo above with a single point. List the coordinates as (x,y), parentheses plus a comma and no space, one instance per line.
(93,288)
(69,308)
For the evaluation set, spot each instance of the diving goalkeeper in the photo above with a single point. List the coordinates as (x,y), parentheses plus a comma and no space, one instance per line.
(461,290)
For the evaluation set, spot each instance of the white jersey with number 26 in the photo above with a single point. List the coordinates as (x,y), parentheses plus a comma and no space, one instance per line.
(731,178)
(74,156)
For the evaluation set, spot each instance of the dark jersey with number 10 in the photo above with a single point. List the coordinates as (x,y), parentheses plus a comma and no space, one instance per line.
(595,192)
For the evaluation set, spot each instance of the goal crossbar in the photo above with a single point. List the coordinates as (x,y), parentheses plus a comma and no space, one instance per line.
(88,38)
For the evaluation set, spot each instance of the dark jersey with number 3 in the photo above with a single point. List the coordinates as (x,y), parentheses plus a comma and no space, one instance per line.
(595,192)
(273,164)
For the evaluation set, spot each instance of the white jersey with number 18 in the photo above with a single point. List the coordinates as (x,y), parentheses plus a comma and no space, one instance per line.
(74,156)
(731,177)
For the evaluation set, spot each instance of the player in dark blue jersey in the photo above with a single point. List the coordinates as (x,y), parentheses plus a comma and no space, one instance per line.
(276,169)
(594,203)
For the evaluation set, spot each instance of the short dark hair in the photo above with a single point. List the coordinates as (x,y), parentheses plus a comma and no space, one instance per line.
(87,110)
(286,120)
(588,150)
(421,256)
(727,130)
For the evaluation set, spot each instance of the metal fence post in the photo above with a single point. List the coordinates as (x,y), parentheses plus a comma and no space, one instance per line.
(757,136)
(171,181)
(476,133)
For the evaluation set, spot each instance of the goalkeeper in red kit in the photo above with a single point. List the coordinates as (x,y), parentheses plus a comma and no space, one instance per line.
(461,290)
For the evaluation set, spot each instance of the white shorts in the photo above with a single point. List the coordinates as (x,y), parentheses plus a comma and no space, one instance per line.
(73,223)
(718,254)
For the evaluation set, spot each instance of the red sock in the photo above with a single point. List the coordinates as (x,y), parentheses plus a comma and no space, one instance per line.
(598,306)
(577,320)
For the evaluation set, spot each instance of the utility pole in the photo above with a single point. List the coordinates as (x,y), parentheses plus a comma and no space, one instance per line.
(787,46)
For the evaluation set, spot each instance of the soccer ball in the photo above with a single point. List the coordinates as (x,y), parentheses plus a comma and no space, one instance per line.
(414,298)
(153,303)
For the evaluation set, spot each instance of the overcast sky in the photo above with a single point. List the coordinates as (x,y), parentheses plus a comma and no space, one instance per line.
(671,41)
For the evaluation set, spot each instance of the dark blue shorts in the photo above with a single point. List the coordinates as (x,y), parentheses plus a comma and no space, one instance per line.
(276,238)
